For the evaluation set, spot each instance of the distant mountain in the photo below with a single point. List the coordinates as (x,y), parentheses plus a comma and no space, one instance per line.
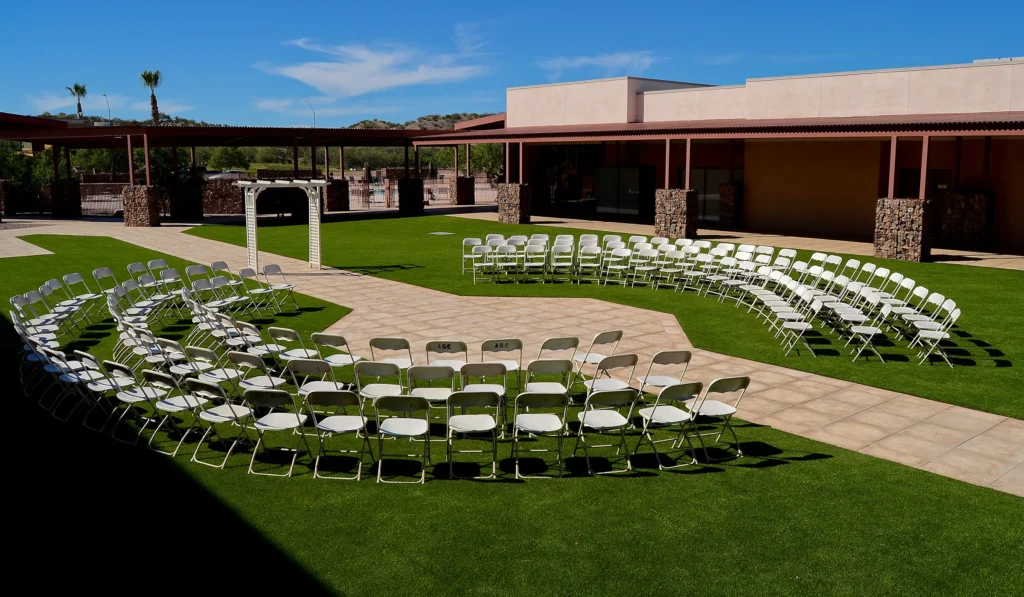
(431,122)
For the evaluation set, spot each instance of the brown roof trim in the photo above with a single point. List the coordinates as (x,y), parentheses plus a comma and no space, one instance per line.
(860,125)
(8,120)
(484,122)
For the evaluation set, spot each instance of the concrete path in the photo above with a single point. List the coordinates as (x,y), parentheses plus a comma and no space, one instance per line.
(775,240)
(973,446)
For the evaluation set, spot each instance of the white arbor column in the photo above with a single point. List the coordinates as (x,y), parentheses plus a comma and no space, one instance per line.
(251,193)
(252,190)
(313,191)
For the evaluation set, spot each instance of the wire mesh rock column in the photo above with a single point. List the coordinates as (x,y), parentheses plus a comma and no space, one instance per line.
(141,206)
(901,230)
(675,213)
(462,190)
(514,203)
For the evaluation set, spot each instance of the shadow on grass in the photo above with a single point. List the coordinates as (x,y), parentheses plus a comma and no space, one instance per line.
(90,504)
(374,270)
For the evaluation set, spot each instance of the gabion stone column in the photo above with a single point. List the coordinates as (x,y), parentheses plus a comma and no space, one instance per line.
(337,195)
(462,190)
(675,213)
(410,196)
(900,230)
(514,203)
(141,206)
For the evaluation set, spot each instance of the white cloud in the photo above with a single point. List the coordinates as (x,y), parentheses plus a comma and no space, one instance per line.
(355,69)
(616,62)
(54,102)
(467,38)
(324,106)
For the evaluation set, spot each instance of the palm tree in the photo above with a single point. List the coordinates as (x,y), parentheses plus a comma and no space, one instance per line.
(78,91)
(152,79)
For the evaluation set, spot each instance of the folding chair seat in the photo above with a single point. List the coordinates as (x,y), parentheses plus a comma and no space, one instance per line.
(368,376)
(658,378)
(560,368)
(255,375)
(713,405)
(278,419)
(600,415)
(403,425)
(527,420)
(224,411)
(468,254)
(329,425)
(473,423)
(342,358)
(936,323)
(603,380)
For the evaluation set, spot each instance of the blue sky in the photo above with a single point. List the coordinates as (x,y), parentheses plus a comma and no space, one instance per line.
(257,63)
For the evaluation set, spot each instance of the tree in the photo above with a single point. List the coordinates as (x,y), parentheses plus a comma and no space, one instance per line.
(151,79)
(78,91)
(224,158)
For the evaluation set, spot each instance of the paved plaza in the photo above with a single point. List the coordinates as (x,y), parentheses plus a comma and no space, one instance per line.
(973,446)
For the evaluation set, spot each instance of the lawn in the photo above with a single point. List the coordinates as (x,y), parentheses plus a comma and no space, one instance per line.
(989,350)
(793,517)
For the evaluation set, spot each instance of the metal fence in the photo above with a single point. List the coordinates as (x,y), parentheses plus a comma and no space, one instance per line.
(102,198)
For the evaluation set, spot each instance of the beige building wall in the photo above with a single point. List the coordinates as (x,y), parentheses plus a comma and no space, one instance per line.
(709,103)
(824,188)
(1007,176)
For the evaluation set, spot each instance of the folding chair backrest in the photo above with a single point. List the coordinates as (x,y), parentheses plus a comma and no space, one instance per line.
(116,369)
(272,269)
(196,353)
(373,369)
(156,265)
(470,242)
(544,237)
(609,337)
(588,237)
(447,347)
(136,269)
(482,249)
(683,242)
(765,250)
(430,373)
(205,388)
(473,400)
(953,317)
(611,399)
(495,242)
(335,341)
(501,345)
(728,385)
(195,271)
(681,392)
(306,367)
(470,370)
(702,244)
(103,273)
(788,253)
(559,344)
(390,344)
(246,359)
(610,238)
(159,378)
(169,275)
(491,237)
(268,398)
(73,279)
(335,398)
(619,361)
(221,266)
(284,335)
(550,367)
(87,359)
(541,400)
(658,241)
(408,405)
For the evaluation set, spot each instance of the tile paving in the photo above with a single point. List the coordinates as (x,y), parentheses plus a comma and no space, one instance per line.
(972,446)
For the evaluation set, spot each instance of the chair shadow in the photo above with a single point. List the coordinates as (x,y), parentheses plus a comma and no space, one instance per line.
(371,270)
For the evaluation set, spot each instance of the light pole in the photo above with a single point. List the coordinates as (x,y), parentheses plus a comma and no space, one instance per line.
(108,106)
(313,111)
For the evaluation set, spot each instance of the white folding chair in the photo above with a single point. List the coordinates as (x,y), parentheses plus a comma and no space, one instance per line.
(712,405)
(930,340)
(403,424)
(595,353)
(338,424)
(278,420)
(527,420)
(446,353)
(469,423)
(671,408)
(600,416)
(468,253)
(281,289)
(625,364)
(561,369)
(342,357)
(370,379)
(224,412)
(658,377)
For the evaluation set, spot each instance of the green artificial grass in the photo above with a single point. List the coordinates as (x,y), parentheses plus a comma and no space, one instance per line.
(989,349)
(794,516)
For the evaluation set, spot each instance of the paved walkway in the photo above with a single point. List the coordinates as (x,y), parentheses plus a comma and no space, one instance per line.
(775,240)
(973,446)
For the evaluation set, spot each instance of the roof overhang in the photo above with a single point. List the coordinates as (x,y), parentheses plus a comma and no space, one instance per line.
(978,124)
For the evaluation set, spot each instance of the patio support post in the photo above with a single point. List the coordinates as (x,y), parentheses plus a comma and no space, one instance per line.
(192,158)
(505,156)
(467,162)
(455,159)
(295,157)
(521,163)
(689,148)
(407,160)
(892,167)
(341,160)
(131,161)
(327,161)
(668,155)
(67,167)
(312,157)
(957,158)
(416,154)
(56,165)
(924,167)
(145,146)
(987,167)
